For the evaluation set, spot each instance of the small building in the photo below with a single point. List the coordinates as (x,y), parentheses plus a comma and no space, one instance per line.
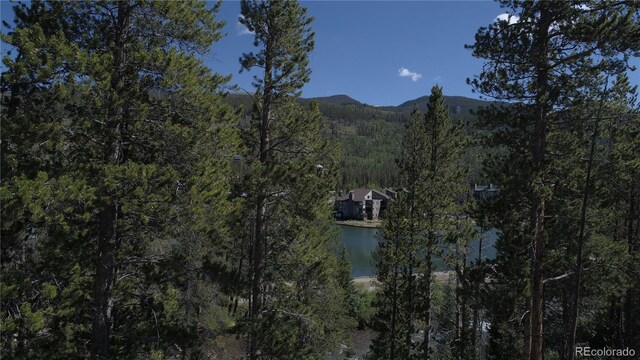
(361,204)
(485,191)
(392,194)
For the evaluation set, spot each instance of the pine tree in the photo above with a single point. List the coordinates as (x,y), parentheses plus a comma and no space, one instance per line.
(612,226)
(624,222)
(296,303)
(443,187)
(540,61)
(458,247)
(591,310)
(114,131)
(391,319)
(418,225)
(398,253)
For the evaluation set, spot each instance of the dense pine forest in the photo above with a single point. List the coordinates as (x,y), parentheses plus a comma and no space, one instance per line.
(369,137)
(150,212)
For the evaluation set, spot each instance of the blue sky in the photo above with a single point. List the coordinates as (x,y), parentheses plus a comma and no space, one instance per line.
(362,47)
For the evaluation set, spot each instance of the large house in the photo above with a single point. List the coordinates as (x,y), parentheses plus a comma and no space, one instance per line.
(363,204)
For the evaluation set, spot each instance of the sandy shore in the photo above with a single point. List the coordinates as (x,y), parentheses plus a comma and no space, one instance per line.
(360,223)
(371,283)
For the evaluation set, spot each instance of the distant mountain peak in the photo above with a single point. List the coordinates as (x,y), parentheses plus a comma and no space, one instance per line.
(458,105)
(340,99)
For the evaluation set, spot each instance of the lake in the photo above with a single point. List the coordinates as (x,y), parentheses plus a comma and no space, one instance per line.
(361,242)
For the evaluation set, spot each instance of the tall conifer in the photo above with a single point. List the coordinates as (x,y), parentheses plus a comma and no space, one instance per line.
(538,61)
(114,131)
(418,225)
(296,301)
(397,254)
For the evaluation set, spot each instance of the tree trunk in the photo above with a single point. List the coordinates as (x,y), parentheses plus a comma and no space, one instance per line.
(412,246)
(256,291)
(566,324)
(433,166)
(260,235)
(476,304)
(539,149)
(426,343)
(583,222)
(104,283)
(526,326)
(537,277)
(461,309)
(394,302)
(459,305)
(108,237)
(410,295)
(630,332)
(105,277)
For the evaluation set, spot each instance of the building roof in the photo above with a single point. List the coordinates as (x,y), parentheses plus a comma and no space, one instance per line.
(490,187)
(381,194)
(359,194)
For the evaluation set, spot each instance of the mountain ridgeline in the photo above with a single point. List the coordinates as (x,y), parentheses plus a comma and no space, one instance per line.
(370,136)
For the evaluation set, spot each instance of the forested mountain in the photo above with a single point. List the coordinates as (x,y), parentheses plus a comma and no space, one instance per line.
(341,99)
(457,105)
(370,136)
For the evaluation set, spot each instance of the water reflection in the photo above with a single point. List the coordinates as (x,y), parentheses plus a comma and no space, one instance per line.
(362,242)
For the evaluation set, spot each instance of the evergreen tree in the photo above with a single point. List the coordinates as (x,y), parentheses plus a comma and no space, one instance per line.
(398,252)
(297,306)
(418,225)
(457,256)
(588,255)
(115,147)
(602,312)
(442,190)
(391,320)
(621,196)
(540,62)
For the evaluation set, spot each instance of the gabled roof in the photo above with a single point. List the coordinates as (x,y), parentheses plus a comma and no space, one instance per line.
(359,194)
(381,194)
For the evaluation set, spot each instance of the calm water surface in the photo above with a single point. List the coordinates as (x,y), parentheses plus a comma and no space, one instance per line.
(362,242)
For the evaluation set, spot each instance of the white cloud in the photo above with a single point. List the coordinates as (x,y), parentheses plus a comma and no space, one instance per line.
(511,19)
(241,29)
(404,72)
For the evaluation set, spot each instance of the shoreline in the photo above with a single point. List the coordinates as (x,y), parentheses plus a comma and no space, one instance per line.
(372,282)
(360,223)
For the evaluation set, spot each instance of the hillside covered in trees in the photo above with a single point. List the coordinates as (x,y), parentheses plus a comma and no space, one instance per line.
(370,136)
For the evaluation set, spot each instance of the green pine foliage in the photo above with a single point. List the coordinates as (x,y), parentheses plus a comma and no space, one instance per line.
(371,136)
(425,219)
(115,150)
(148,214)
(609,280)
(391,320)
(297,305)
(545,63)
